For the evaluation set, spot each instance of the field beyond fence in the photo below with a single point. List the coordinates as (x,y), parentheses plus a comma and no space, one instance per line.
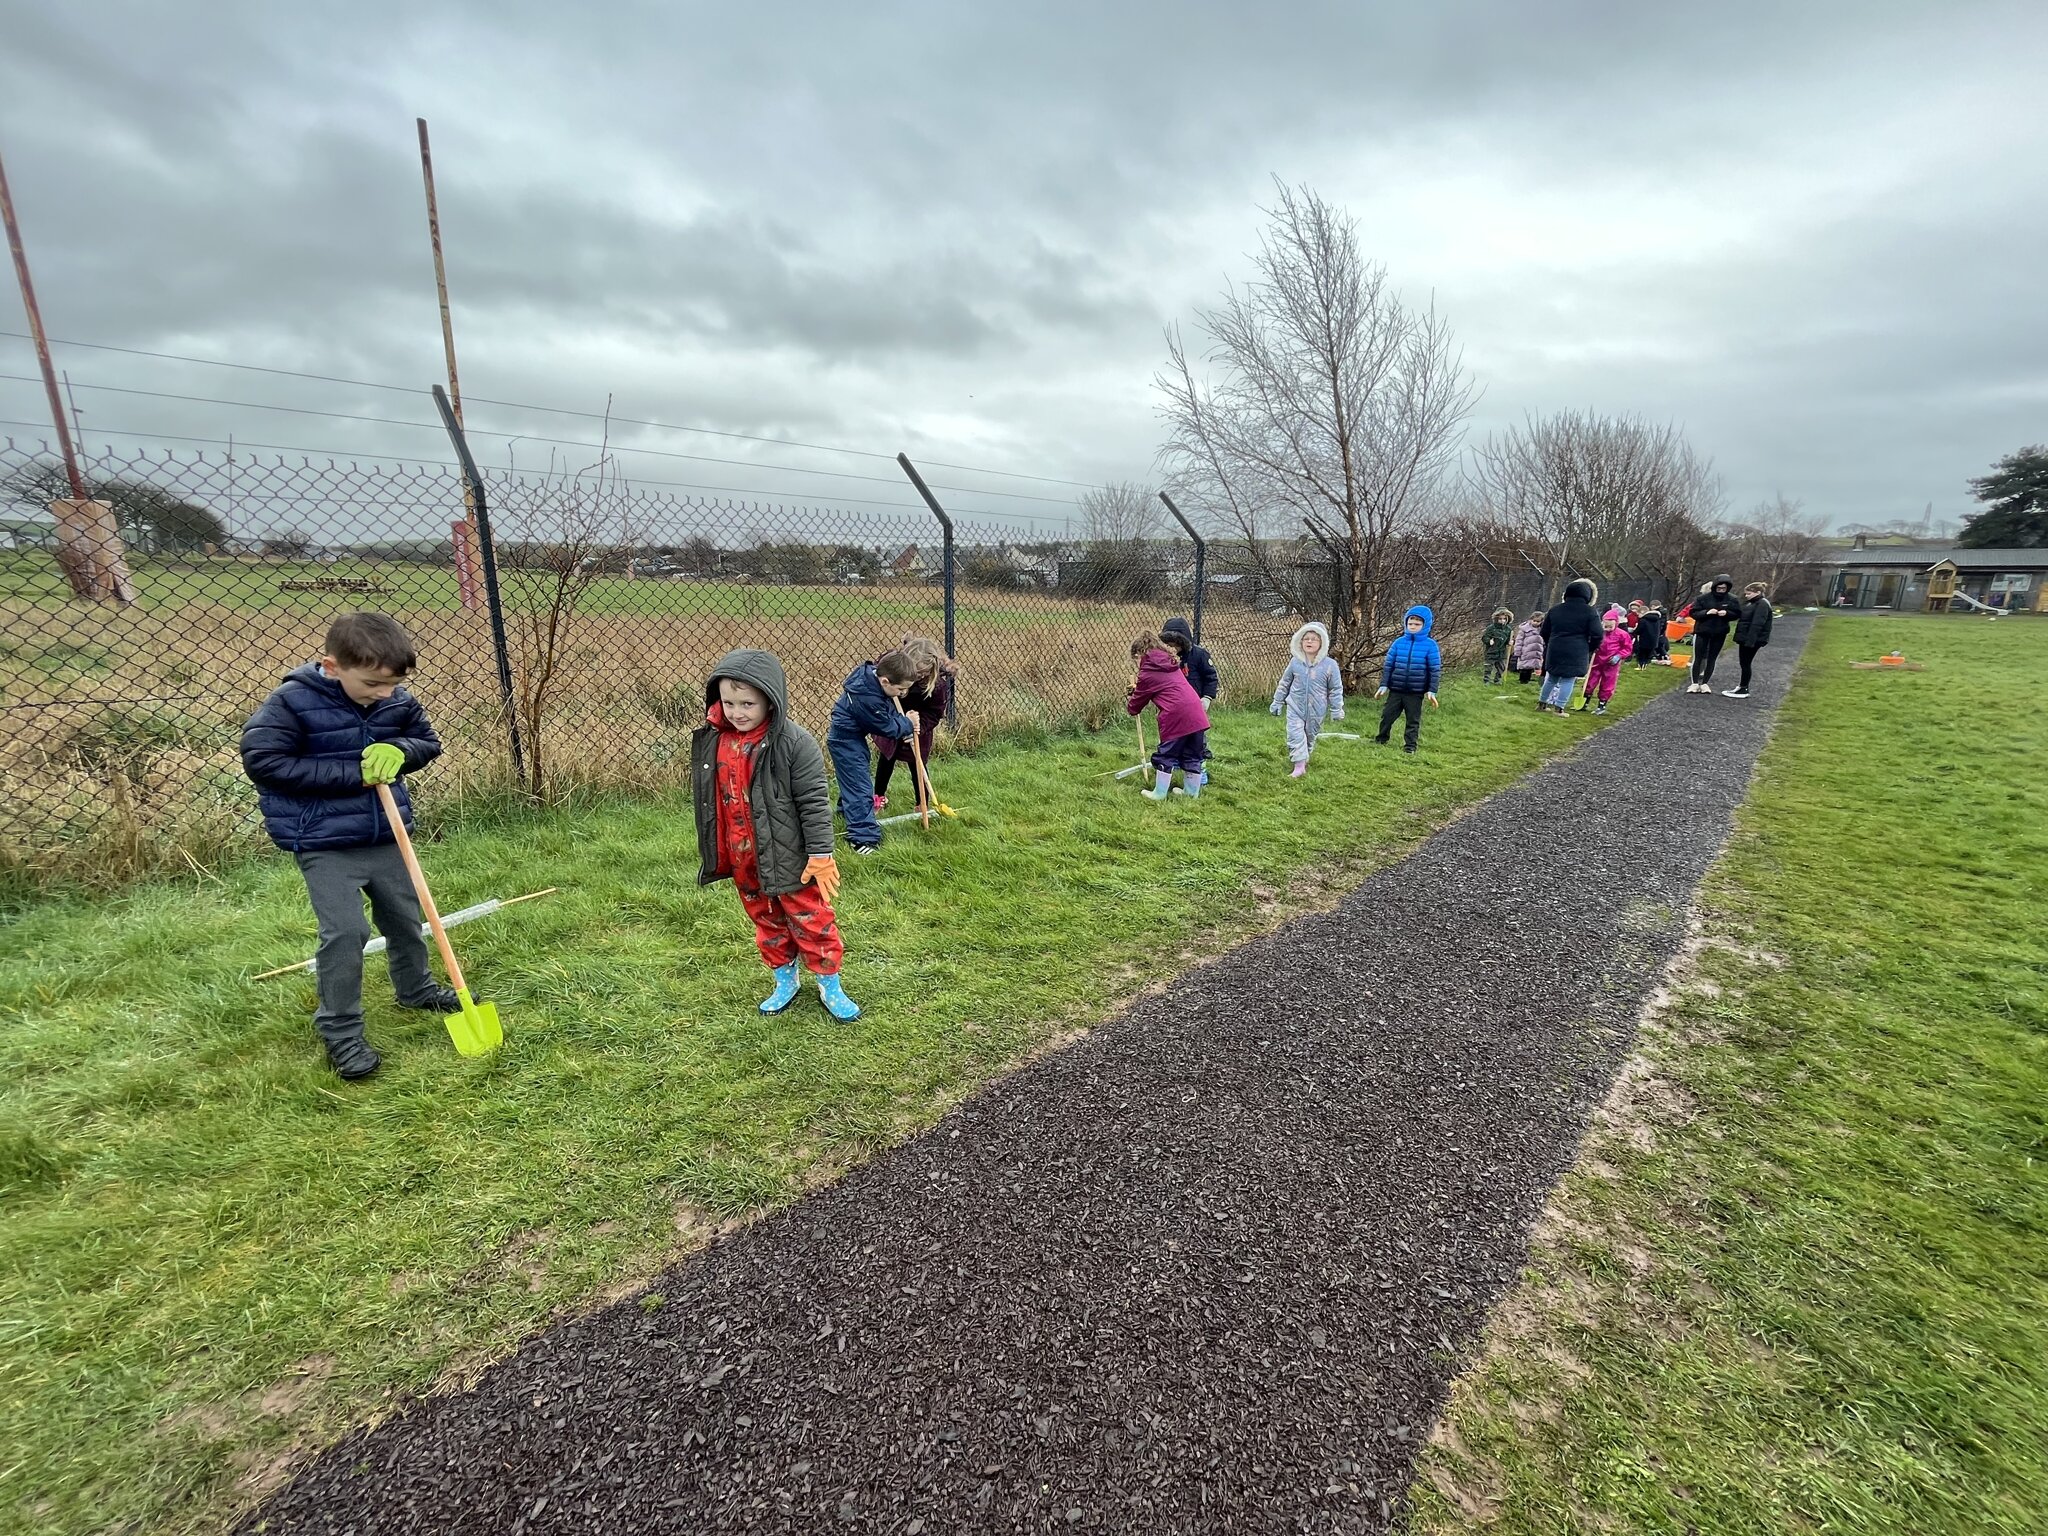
(120,720)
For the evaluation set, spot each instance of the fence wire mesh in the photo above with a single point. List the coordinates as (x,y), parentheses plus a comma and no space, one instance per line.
(120,719)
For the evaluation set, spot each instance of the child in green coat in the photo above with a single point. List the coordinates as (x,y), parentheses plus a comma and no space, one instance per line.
(1493,644)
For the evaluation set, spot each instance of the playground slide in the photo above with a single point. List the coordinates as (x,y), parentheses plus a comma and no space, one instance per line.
(1964,597)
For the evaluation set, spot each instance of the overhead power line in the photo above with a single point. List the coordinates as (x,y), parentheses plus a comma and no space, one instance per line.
(532,437)
(791,498)
(560,410)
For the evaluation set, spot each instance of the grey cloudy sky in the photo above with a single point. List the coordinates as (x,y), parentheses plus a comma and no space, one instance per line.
(1814,233)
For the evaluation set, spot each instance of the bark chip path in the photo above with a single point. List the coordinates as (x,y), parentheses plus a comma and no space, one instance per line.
(1207,1270)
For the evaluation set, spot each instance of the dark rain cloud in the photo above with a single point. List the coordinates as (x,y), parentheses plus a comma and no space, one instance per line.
(961,229)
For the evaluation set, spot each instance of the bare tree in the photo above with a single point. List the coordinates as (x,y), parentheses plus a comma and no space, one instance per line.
(1329,404)
(1594,492)
(571,524)
(1120,516)
(1780,543)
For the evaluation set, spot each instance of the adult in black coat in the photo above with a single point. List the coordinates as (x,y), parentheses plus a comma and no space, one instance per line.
(1752,632)
(1714,612)
(1571,632)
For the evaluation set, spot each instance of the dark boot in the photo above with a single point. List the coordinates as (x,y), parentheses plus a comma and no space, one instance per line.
(352,1056)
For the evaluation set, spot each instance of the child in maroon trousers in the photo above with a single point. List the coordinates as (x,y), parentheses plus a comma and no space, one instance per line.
(764,821)
(1183,723)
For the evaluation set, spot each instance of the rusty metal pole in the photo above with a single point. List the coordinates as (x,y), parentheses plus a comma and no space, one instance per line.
(42,340)
(467,539)
(88,532)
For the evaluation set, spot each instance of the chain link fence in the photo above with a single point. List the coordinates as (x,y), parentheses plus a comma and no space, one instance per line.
(136,640)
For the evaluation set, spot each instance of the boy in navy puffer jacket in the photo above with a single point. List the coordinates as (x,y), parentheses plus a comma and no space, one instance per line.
(315,750)
(870,704)
(1409,675)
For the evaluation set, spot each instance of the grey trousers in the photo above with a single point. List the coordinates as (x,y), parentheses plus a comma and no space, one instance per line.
(337,879)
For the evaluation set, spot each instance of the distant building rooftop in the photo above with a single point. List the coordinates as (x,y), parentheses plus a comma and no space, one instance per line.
(1920,556)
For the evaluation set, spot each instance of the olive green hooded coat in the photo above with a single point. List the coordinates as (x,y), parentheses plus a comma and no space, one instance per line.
(792,807)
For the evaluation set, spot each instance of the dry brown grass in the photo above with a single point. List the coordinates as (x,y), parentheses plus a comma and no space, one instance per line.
(121,757)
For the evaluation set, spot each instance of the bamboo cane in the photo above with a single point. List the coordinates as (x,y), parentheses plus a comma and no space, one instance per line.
(452,920)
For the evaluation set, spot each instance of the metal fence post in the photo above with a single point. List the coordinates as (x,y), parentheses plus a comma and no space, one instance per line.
(1201,561)
(945,522)
(1339,578)
(473,484)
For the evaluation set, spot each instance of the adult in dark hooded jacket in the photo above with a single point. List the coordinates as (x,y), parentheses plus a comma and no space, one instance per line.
(1752,632)
(1571,633)
(1714,613)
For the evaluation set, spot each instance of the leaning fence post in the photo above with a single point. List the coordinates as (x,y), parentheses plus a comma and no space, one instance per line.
(945,522)
(1201,561)
(473,490)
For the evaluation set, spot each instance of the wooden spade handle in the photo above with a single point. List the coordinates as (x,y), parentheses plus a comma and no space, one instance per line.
(924,783)
(419,885)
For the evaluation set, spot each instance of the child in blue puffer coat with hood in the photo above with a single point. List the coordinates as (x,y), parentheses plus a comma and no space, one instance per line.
(1311,691)
(1409,677)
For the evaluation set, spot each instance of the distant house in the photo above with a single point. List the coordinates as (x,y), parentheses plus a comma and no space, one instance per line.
(1935,578)
(908,565)
(1039,570)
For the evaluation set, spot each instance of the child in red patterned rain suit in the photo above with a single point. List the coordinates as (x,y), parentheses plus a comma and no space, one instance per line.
(1615,644)
(764,820)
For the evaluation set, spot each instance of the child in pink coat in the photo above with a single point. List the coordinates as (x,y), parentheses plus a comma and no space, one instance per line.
(1183,723)
(1615,643)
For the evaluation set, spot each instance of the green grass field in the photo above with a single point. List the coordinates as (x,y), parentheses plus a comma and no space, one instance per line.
(1799,1281)
(216,1252)
(160,583)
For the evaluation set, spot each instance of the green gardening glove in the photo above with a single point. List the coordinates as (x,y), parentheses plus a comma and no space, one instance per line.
(382,763)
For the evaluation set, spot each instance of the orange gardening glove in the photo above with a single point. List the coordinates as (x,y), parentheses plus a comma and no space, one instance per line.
(823,870)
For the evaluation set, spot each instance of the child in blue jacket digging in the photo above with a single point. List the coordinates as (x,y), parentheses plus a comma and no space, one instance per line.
(869,705)
(1409,676)
(315,750)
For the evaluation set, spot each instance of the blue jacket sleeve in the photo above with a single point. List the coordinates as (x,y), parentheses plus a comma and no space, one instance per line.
(1387,668)
(1333,690)
(414,736)
(273,755)
(1202,673)
(1436,665)
(885,721)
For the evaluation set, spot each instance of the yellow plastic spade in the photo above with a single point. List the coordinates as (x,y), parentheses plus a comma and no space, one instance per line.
(475,1029)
